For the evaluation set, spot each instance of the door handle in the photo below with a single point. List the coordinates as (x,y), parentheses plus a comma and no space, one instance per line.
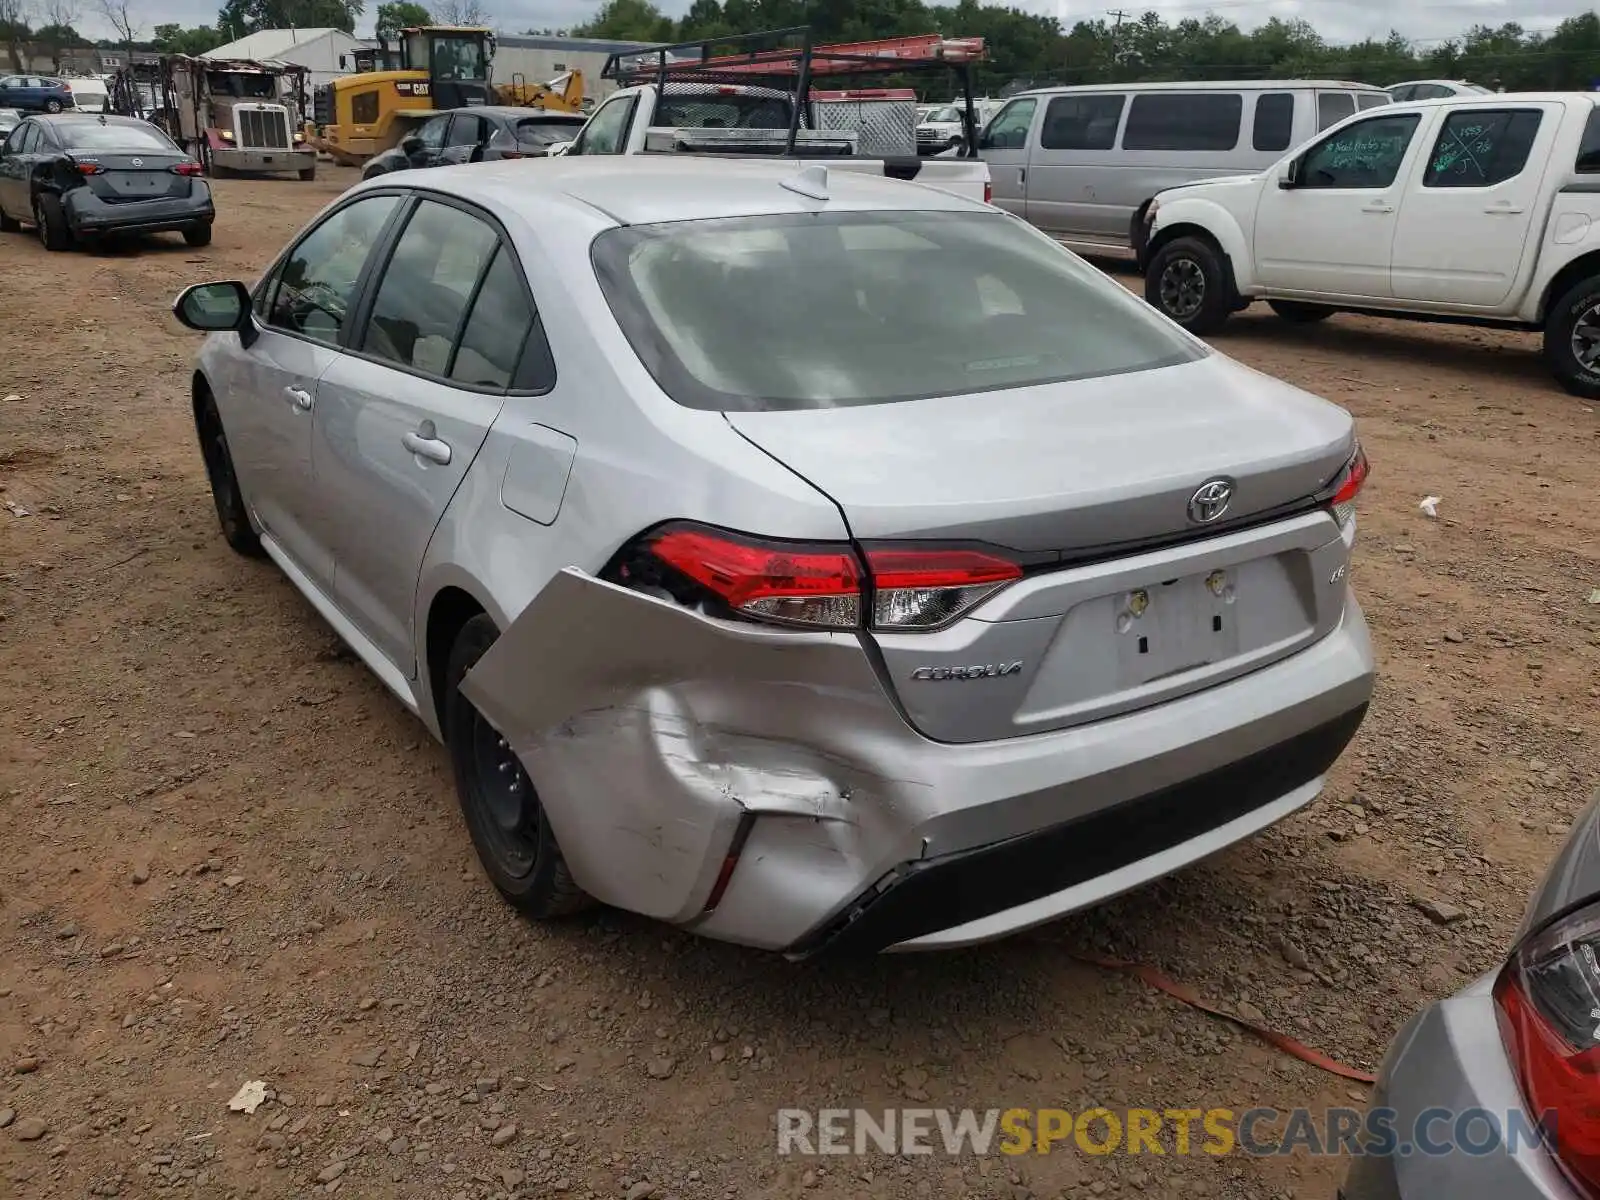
(1505,209)
(1377,208)
(424,442)
(1022,175)
(301,398)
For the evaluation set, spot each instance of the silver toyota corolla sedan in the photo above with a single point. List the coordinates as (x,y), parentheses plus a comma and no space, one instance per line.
(806,558)
(1494,1093)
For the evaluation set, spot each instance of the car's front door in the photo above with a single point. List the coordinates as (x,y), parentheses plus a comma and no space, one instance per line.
(400,418)
(431,136)
(465,135)
(1332,232)
(1465,218)
(1004,147)
(269,393)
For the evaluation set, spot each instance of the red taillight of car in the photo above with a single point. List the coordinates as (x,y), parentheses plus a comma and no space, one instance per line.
(988,192)
(186,168)
(89,168)
(826,585)
(1348,486)
(1548,1001)
(512,154)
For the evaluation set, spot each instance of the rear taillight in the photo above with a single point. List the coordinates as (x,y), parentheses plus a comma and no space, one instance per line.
(186,168)
(988,193)
(1348,486)
(818,585)
(512,154)
(1548,997)
(89,168)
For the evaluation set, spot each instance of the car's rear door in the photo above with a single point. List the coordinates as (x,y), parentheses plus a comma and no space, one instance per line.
(400,418)
(15,168)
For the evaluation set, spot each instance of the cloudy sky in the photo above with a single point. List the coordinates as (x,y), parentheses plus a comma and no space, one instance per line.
(1427,21)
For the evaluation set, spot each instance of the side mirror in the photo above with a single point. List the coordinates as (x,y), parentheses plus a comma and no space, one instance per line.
(216,308)
(411,144)
(1289,177)
(558,148)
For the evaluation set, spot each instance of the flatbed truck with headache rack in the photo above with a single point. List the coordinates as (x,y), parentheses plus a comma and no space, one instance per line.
(759,94)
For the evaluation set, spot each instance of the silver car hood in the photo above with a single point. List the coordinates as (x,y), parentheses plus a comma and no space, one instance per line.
(1071,466)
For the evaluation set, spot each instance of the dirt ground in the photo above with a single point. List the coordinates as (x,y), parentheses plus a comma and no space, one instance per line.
(226,854)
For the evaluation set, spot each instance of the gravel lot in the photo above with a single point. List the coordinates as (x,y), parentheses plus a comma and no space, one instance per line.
(229,855)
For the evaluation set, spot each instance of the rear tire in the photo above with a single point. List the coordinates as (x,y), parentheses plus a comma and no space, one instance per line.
(198,235)
(52,106)
(1188,282)
(509,830)
(51,221)
(1298,313)
(9,224)
(307,175)
(232,513)
(1572,338)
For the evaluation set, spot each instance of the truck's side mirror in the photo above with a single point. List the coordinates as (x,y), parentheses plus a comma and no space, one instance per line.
(1289,177)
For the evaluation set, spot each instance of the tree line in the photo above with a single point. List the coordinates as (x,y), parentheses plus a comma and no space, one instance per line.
(1024,48)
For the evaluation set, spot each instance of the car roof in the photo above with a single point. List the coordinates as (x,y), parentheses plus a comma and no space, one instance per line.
(80,117)
(1210,85)
(1491,100)
(512,112)
(639,189)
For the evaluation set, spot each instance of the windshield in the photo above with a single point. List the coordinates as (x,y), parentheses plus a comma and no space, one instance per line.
(91,135)
(251,84)
(458,58)
(797,312)
(722,112)
(547,133)
(948,115)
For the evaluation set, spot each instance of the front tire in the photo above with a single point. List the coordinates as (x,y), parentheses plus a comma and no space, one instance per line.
(1188,282)
(9,224)
(1298,313)
(308,174)
(52,106)
(508,825)
(232,515)
(1572,338)
(51,222)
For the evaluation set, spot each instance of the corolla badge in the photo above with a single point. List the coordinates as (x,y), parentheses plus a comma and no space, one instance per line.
(981,671)
(1210,501)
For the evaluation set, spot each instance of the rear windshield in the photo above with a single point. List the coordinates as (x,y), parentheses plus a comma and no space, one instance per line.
(91,135)
(757,314)
(713,111)
(547,133)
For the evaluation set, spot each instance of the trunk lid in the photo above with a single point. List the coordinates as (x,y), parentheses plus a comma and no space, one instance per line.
(1129,602)
(1077,467)
(144,176)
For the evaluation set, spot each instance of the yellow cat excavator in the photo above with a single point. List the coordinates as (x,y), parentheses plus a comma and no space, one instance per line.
(434,68)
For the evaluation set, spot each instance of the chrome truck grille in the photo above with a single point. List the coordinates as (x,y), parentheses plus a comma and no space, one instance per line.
(265,128)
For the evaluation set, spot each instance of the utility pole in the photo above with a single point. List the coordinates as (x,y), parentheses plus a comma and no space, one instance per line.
(1116,28)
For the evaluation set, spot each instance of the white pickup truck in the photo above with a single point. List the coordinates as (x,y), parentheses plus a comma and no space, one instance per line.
(703,118)
(1474,209)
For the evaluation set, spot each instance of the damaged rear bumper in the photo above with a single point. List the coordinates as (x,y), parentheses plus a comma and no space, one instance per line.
(660,739)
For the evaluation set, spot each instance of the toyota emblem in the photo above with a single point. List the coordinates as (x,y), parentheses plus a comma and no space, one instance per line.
(138,162)
(1210,501)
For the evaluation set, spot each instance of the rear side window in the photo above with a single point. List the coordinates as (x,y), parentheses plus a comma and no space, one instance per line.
(1333,107)
(1480,148)
(1366,100)
(1589,149)
(428,286)
(1184,121)
(1086,122)
(777,313)
(492,341)
(1274,123)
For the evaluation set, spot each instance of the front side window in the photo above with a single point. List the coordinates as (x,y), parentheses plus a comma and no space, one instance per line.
(1481,147)
(1009,130)
(873,307)
(1333,107)
(1184,121)
(1274,123)
(320,275)
(1366,154)
(431,135)
(427,287)
(1084,122)
(604,132)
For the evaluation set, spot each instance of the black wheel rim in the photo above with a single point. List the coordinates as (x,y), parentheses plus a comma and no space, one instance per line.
(1183,288)
(508,810)
(1585,339)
